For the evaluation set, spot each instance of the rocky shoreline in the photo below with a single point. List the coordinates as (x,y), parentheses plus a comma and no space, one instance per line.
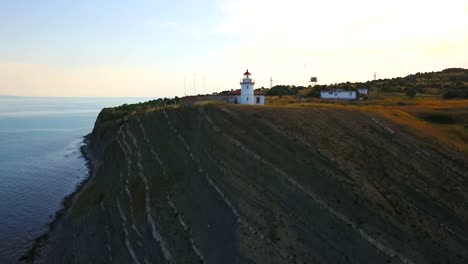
(39,243)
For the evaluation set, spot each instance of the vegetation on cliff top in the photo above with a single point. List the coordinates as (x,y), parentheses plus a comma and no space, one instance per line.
(113,113)
(442,121)
(449,83)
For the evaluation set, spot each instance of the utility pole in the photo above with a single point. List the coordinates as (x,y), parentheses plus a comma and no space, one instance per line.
(185,86)
(303,76)
(204,87)
(375,76)
(194,90)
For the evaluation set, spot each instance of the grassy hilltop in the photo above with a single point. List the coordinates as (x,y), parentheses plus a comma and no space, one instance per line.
(375,182)
(448,84)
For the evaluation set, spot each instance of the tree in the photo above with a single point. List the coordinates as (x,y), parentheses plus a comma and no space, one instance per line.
(314,92)
(449,95)
(411,93)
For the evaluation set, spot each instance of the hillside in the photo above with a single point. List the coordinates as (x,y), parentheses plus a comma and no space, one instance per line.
(449,83)
(234,184)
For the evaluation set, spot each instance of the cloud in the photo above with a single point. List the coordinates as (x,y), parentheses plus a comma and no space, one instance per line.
(344,40)
(196,31)
(337,20)
(339,41)
(44,80)
(191,29)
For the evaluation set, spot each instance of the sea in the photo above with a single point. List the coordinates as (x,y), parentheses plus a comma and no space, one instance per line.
(40,162)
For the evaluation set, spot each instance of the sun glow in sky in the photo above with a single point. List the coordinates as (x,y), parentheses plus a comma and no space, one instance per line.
(147,48)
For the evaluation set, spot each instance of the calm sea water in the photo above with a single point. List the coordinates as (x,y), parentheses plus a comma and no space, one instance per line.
(40,162)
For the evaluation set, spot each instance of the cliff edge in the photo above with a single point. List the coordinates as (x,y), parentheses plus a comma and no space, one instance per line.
(233,184)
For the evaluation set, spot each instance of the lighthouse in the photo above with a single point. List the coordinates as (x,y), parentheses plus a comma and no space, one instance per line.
(247,95)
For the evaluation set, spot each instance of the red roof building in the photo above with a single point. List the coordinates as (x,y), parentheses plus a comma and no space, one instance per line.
(238,92)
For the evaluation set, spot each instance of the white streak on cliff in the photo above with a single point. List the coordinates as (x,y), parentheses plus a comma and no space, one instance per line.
(186,228)
(127,241)
(126,149)
(155,233)
(239,219)
(153,152)
(377,244)
(108,236)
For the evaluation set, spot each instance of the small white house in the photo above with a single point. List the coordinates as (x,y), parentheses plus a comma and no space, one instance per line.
(338,94)
(247,94)
(363,91)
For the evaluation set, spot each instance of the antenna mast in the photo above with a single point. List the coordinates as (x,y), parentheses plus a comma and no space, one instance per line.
(271,82)
(185,86)
(375,76)
(204,87)
(194,90)
(303,76)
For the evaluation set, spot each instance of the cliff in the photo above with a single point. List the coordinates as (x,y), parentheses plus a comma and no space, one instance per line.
(233,184)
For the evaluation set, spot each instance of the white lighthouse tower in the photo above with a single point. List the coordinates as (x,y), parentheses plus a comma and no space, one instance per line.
(247,95)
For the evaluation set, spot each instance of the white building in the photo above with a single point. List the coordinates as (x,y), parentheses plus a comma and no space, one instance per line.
(247,93)
(338,94)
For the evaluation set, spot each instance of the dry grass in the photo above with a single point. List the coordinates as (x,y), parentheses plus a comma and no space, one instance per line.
(281,100)
(208,102)
(410,115)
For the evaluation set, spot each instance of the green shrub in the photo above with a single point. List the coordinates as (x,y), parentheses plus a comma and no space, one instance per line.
(439,119)
(411,93)
(449,95)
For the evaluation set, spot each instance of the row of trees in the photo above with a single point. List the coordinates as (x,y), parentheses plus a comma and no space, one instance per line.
(449,83)
(452,83)
(161,102)
(455,94)
(284,90)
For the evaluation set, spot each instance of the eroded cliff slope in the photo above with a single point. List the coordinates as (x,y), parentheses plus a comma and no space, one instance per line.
(231,184)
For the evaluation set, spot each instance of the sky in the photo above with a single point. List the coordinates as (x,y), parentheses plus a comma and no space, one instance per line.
(143,48)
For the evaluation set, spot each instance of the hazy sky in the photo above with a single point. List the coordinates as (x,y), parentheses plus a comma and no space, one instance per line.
(147,48)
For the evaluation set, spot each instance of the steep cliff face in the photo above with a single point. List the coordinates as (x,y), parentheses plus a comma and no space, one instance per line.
(229,184)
